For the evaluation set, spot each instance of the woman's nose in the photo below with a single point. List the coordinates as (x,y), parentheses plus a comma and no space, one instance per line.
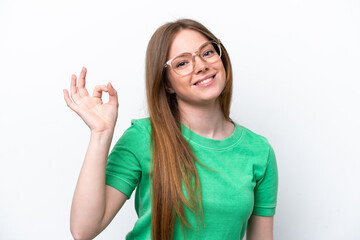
(199,64)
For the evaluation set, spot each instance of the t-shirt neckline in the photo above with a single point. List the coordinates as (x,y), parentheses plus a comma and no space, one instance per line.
(209,143)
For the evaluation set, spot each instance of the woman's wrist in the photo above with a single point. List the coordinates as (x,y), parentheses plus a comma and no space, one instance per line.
(102,136)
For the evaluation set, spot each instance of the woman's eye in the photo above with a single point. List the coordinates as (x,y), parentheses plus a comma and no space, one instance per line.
(181,64)
(208,53)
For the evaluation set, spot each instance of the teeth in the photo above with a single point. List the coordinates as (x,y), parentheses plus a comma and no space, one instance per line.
(205,81)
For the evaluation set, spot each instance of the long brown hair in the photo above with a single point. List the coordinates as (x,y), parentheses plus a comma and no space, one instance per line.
(173,161)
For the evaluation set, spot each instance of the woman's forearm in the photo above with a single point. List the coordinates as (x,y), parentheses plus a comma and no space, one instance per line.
(88,204)
(260,228)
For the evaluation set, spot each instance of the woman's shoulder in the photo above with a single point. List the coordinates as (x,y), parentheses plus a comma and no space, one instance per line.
(141,125)
(253,138)
(257,146)
(135,138)
(138,127)
(141,122)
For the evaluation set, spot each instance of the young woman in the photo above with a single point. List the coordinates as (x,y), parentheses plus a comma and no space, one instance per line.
(197,174)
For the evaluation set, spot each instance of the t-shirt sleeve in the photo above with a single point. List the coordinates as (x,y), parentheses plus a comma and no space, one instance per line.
(123,169)
(265,192)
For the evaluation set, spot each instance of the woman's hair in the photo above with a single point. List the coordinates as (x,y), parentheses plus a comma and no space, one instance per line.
(173,161)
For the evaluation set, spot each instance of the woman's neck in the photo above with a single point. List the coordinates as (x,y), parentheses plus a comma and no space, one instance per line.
(206,120)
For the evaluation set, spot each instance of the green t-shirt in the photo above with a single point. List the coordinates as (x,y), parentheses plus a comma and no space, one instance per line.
(245,181)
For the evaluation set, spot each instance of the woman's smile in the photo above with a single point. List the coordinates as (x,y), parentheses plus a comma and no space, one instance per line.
(205,81)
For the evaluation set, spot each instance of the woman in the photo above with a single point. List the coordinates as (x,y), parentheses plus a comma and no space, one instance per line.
(198,174)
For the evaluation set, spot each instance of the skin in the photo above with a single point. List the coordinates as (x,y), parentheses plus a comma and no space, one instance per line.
(260,228)
(197,104)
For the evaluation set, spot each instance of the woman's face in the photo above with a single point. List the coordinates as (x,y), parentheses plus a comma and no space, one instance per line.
(205,83)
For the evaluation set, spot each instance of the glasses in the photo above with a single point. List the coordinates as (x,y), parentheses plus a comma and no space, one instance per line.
(184,63)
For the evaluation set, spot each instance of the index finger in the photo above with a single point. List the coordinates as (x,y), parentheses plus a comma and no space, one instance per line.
(81,82)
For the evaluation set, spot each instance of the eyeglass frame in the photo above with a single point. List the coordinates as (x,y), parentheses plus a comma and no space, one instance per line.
(196,53)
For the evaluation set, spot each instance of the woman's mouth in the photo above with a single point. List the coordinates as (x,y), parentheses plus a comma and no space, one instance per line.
(205,82)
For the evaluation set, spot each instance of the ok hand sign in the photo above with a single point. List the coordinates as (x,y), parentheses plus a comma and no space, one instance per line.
(100,117)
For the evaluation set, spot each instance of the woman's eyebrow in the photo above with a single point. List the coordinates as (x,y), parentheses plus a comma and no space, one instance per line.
(193,51)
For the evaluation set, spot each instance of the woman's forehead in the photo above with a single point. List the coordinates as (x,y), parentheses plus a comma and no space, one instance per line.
(187,40)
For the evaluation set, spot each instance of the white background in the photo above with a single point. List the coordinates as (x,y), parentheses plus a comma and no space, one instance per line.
(296,81)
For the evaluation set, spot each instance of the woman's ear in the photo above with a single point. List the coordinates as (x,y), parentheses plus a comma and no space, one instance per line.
(168,88)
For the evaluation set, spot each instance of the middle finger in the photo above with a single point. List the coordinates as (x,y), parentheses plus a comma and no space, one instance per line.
(82,77)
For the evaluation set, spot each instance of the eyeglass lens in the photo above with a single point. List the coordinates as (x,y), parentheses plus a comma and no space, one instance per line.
(183,64)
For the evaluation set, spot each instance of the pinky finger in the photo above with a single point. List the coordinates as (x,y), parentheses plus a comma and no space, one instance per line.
(68,101)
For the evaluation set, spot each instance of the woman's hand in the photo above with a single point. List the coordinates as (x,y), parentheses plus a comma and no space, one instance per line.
(100,117)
